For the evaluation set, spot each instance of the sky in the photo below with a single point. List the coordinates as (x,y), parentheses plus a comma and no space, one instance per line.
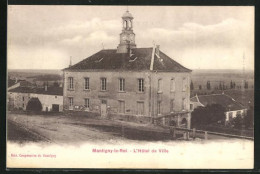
(201,37)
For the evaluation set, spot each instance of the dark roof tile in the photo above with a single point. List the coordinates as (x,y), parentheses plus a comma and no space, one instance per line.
(50,90)
(140,59)
(226,101)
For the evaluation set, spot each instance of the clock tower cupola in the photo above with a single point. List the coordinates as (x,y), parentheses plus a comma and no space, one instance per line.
(127,37)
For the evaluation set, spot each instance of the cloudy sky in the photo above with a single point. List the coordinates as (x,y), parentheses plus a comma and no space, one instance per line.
(44,37)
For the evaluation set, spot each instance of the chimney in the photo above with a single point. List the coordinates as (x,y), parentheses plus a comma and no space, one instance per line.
(70,62)
(157,51)
(152,59)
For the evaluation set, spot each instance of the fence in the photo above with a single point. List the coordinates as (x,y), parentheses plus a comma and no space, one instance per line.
(193,133)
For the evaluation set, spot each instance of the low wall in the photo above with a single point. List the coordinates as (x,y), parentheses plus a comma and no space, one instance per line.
(131,118)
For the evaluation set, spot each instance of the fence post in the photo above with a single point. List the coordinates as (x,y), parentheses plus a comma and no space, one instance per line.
(193,133)
(123,131)
(163,121)
(184,135)
(173,133)
(206,135)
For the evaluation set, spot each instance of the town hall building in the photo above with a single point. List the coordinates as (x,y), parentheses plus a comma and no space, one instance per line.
(129,83)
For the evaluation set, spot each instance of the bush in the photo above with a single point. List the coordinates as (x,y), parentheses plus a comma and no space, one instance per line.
(249,118)
(210,114)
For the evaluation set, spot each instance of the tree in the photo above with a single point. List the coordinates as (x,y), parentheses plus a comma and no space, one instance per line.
(34,104)
(191,85)
(220,86)
(237,121)
(208,85)
(207,115)
(246,85)
(249,117)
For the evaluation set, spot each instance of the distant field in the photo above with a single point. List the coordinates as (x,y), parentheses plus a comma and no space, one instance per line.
(198,77)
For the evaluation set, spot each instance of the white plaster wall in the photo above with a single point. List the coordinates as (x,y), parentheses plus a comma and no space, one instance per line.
(48,100)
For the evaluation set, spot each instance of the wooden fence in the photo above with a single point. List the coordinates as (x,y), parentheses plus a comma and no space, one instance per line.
(193,133)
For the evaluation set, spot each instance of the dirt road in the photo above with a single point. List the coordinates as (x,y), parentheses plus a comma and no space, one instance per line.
(60,129)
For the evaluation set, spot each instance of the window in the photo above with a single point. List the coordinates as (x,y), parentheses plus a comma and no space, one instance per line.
(172,105)
(141,85)
(183,104)
(23,105)
(238,112)
(86,84)
(159,108)
(23,98)
(103,84)
(159,85)
(121,107)
(172,85)
(86,102)
(55,96)
(71,85)
(191,107)
(184,84)
(121,84)
(70,101)
(140,108)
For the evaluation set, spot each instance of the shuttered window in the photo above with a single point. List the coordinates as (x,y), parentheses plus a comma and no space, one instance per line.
(140,108)
(103,84)
(71,84)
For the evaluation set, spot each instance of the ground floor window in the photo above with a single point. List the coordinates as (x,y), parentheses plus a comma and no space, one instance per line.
(140,108)
(172,105)
(86,102)
(159,107)
(191,107)
(183,104)
(230,116)
(121,107)
(70,102)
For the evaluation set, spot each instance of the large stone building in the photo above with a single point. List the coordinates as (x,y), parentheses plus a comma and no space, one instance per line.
(129,83)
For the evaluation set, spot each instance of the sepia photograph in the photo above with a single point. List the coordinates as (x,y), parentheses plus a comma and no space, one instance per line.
(130,87)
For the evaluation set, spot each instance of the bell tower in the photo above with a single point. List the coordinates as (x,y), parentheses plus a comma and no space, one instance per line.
(127,36)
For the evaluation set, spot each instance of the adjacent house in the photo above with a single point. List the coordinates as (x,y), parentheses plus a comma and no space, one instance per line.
(233,108)
(51,98)
(129,83)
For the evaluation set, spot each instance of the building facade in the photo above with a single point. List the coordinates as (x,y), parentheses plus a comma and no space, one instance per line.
(129,83)
(51,98)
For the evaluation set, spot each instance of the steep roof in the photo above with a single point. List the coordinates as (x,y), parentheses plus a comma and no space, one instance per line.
(50,90)
(226,101)
(140,59)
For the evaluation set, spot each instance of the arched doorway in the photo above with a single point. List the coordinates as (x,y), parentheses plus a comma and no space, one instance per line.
(172,123)
(184,122)
(34,104)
